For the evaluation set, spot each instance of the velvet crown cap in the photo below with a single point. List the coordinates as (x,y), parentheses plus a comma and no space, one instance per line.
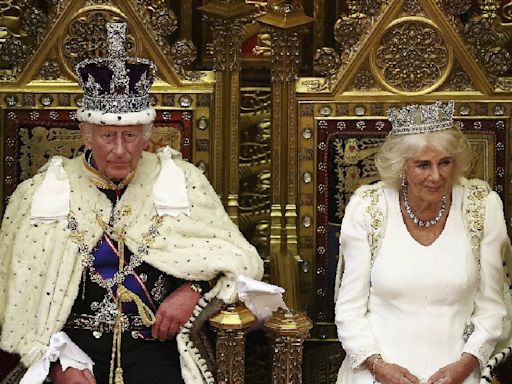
(116,88)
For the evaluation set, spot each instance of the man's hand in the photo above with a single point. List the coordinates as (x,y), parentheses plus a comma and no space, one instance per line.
(455,373)
(174,312)
(71,375)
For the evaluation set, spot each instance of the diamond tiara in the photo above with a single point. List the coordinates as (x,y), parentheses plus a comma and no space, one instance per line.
(116,88)
(414,118)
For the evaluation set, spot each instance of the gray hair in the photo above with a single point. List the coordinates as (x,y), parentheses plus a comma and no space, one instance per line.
(87,128)
(397,149)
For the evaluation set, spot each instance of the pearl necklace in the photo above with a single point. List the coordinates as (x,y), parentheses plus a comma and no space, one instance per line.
(424,223)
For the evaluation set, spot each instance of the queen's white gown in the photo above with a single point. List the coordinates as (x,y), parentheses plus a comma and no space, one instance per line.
(415,303)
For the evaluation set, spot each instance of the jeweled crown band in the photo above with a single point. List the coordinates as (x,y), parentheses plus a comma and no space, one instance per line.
(414,119)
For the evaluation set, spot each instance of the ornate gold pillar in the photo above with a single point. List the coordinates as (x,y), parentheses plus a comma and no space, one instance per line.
(231,326)
(285,22)
(227,19)
(287,330)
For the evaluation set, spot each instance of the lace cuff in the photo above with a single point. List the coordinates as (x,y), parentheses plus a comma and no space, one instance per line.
(358,357)
(481,351)
(61,348)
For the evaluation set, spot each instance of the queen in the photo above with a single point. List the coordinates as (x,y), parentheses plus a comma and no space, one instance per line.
(421,298)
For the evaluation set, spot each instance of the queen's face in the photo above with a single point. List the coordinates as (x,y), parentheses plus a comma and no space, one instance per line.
(429,175)
(116,150)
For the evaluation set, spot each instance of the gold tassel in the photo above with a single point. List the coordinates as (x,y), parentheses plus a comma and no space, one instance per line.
(124,295)
(145,313)
(119,376)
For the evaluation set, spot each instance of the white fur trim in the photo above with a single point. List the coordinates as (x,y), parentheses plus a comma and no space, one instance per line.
(132,118)
(194,369)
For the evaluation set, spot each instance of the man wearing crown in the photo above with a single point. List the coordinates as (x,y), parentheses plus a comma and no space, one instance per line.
(110,261)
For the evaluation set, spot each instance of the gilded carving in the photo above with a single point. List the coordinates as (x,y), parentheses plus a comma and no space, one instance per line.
(327,62)
(264,45)
(507,10)
(412,57)
(39,144)
(504,84)
(35,22)
(362,8)
(227,38)
(13,54)
(255,176)
(364,80)
(412,7)
(457,7)
(183,53)
(486,35)
(458,80)
(286,56)
(50,70)
(348,32)
(488,43)
(230,355)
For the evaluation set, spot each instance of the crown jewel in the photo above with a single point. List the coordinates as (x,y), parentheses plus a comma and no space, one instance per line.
(415,118)
(116,88)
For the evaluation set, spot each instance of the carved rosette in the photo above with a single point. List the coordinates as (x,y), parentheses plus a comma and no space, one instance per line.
(184,53)
(459,81)
(160,18)
(13,53)
(456,7)
(50,70)
(286,55)
(361,8)
(327,62)
(487,41)
(497,60)
(364,80)
(35,22)
(348,32)
(412,7)
(412,57)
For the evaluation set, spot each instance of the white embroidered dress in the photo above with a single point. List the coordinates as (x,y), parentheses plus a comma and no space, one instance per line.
(413,304)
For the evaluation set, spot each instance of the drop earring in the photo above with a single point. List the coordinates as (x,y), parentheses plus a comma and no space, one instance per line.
(403,181)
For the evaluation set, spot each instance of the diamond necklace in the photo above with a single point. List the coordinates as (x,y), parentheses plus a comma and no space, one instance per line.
(424,223)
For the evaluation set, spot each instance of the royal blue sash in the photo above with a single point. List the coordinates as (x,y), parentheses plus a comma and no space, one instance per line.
(106,263)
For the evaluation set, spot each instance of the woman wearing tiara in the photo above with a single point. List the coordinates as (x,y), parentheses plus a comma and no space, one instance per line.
(421,298)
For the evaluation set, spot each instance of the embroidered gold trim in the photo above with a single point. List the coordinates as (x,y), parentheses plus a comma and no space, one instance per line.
(101,181)
(376,228)
(474,216)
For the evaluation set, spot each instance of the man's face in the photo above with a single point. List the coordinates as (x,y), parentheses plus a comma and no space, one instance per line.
(116,150)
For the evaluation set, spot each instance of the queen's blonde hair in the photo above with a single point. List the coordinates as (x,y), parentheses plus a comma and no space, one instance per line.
(397,149)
